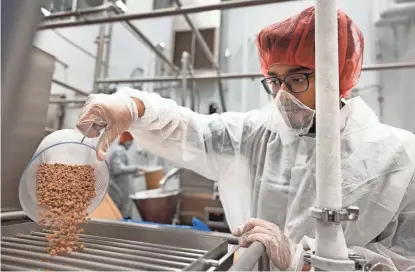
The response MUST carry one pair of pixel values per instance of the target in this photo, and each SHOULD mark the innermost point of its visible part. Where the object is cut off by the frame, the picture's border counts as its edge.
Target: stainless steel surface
(67, 101)
(117, 246)
(193, 233)
(169, 176)
(23, 125)
(69, 87)
(228, 76)
(249, 258)
(157, 205)
(9, 267)
(161, 13)
(7, 216)
(103, 256)
(206, 261)
(264, 263)
(226, 261)
(20, 65)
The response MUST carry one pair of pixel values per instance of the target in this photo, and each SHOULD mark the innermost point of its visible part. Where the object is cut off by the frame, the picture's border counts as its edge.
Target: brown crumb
(65, 192)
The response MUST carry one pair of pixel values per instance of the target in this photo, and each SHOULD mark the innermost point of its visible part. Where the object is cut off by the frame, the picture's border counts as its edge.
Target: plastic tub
(64, 147)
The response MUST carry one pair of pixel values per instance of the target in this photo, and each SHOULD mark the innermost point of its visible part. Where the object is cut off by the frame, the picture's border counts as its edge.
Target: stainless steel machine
(110, 245)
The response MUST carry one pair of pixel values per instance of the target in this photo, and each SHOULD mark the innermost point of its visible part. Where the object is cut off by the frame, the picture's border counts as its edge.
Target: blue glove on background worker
(264, 160)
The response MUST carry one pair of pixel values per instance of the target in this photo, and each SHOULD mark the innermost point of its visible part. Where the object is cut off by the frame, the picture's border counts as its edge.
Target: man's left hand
(283, 253)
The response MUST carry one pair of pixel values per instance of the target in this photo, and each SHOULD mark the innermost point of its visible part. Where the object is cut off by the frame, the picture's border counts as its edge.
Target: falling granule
(64, 192)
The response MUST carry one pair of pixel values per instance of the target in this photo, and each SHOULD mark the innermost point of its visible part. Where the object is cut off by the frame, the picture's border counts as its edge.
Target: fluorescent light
(45, 11)
(121, 5)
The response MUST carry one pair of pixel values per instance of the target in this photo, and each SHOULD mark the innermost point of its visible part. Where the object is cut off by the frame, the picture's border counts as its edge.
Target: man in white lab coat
(264, 160)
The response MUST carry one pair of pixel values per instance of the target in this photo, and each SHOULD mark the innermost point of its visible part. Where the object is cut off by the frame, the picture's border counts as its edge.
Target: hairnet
(125, 137)
(291, 42)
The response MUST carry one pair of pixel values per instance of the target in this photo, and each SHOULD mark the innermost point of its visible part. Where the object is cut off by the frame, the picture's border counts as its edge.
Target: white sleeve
(194, 141)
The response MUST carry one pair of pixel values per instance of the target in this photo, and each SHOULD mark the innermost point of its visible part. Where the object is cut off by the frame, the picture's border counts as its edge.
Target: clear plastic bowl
(65, 147)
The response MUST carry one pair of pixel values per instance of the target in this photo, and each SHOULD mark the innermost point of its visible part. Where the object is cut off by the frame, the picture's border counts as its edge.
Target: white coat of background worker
(264, 160)
(123, 173)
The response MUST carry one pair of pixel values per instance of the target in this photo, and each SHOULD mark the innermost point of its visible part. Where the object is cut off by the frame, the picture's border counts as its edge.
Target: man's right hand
(117, 111)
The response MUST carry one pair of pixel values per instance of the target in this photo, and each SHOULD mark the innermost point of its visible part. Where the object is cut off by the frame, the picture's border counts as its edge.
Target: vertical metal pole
(99, 56)
(108, 38)
(185, 72)
(330, 241)
(264, 263)
(192, 65)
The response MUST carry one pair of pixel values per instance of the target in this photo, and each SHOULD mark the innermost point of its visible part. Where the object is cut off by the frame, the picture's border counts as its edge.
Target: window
(58, 5)
(84, 4)
(183, 42)
(161, 4)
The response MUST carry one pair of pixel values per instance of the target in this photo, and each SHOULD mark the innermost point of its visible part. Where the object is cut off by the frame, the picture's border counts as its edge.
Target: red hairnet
(126, 137)
(291, 42)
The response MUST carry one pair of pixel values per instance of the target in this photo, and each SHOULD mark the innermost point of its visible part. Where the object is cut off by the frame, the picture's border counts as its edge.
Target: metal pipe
(41, 241)
(77, 13)
(264, 263)
(108, 37)
(67, 101)
(103, 238)
(185, 72)
(69, 87)
(127, 246)
(228, 76)
(61, 62)
(93, 255)
(161, 13)
(77, 46)
(389, 66)
(10, 267)
(99, 56)
(248, 260)
(221, 92)
(191, 70)
(230, 238)
(330, 241)
(37, 246)
(36, 264)
(6, 216)
(70, 261)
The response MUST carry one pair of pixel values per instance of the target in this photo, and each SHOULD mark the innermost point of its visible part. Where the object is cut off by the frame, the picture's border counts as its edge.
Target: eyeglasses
(296, 83)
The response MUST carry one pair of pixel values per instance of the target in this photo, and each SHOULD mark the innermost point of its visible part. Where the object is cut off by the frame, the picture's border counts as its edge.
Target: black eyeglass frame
(266, 87)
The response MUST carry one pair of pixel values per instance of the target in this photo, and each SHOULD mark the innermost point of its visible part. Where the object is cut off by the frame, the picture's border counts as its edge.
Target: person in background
(122, 174)
(265, 160)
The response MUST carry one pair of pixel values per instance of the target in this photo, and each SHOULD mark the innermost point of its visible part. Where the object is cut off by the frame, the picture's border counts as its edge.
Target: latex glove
(283, 253)
(116, 110)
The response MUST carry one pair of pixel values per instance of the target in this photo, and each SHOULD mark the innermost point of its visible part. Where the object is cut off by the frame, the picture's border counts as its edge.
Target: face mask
(291, 115)
(128, 145)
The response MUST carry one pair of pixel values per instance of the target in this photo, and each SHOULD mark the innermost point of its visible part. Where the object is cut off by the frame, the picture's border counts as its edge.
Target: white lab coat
(269, 174)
